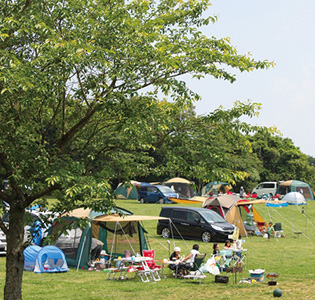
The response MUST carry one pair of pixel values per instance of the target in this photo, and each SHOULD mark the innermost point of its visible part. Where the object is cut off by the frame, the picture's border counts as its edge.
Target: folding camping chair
(195, 271)
(151, 267)
(226, 257)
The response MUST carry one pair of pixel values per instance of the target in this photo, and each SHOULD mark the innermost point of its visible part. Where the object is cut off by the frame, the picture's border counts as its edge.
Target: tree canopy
(80, 84)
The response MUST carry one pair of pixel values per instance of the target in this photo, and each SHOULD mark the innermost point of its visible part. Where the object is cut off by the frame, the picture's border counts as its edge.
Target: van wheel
(166, 233)
(161, 201)
(142, 200)
(206, 237)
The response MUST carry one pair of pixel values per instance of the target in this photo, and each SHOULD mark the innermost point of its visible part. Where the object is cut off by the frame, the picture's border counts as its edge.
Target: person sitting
(227, 245)
(188, 261)
(216, 251)
(174, 256)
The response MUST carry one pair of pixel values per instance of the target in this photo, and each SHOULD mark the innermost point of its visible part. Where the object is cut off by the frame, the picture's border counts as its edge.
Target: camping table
(125, 263)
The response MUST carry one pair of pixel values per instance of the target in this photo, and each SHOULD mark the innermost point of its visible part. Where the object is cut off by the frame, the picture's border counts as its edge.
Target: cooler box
(258, 274)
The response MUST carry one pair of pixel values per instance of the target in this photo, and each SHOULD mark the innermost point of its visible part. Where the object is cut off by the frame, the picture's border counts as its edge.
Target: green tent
(296, 186)
(127, 190)
(118, 233)
(216, 187)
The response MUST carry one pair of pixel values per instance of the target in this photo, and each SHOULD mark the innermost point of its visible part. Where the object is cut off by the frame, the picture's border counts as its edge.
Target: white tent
(294, 198)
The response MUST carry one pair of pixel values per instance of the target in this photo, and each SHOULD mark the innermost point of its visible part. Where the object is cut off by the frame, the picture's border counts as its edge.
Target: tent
(294, 198)
(118, 233)
(127, 191)
(216, 187)
(296, 186)
(181, 186)
(235, 210)
(48, 259)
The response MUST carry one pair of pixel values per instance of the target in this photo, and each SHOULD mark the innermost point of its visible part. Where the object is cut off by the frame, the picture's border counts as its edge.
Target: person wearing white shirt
(188, 261)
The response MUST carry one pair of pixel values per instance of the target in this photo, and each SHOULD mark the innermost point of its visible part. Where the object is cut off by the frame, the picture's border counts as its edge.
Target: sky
(279, 31)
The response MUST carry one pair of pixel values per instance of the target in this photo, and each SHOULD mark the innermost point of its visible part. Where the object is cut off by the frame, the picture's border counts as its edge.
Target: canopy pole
(111, 250)
(81, 253)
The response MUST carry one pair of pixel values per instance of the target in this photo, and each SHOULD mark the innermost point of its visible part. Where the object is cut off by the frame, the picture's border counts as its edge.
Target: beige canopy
(126, 218)
(78, 213)
(225, 201)
(178, 180)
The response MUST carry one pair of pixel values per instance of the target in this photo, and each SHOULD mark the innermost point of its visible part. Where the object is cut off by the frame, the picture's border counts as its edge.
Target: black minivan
(194, 223)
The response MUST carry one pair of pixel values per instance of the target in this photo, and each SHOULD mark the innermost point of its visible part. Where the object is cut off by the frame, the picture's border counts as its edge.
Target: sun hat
(103, 252)
(177, 249)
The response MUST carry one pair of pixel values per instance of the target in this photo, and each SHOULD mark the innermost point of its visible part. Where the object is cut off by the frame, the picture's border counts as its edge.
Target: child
(227, 245)
(216, 251)
(270, 230)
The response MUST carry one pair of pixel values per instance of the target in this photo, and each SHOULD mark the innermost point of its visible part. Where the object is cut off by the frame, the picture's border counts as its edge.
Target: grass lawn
(292, 257)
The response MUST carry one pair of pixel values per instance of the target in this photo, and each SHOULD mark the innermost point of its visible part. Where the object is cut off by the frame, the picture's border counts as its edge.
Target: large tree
(70, 74)
(280, 158)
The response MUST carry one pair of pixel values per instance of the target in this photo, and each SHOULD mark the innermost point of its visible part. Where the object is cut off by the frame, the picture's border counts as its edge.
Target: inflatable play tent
(181, 186)
(236, 211)
(294, 198)
(48, 259)
(296, 186)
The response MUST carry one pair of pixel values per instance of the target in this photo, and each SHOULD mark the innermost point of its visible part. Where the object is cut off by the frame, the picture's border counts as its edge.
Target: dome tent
(30, 254)
(294, 198)
(296, 186)
(181, 186)
(48, 259)
(127, 190)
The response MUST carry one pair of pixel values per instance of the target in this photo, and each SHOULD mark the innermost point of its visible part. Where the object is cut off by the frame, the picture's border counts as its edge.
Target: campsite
(291, 257)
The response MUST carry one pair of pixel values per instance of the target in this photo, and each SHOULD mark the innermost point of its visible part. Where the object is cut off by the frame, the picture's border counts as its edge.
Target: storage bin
(221, 279)
(258, 275)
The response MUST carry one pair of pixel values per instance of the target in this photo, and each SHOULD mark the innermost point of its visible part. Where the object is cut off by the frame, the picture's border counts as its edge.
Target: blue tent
(49, 259)
(30, 254)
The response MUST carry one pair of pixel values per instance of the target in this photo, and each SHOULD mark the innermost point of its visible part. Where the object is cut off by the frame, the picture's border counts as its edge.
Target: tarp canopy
(118, 233)
(195, 199)
(131, 218)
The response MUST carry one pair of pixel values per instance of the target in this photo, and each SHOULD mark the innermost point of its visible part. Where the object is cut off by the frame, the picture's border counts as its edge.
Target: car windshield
(166, 189)
(212, 217)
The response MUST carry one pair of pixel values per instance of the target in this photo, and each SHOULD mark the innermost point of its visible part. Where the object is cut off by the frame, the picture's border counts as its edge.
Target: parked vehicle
(3, 243)
(267, 188)
(35, 229)
(194, 223)
(155, 193)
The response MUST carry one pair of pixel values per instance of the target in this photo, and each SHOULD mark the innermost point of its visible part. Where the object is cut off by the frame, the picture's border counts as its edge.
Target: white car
(3, 243)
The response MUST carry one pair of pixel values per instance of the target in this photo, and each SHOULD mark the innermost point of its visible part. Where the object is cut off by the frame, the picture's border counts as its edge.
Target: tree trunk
(15, 258)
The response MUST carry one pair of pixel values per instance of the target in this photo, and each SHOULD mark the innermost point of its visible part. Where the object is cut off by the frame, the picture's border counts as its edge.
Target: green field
(292, 257)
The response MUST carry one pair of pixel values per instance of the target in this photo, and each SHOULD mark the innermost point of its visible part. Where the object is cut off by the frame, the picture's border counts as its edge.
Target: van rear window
(179, 214)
